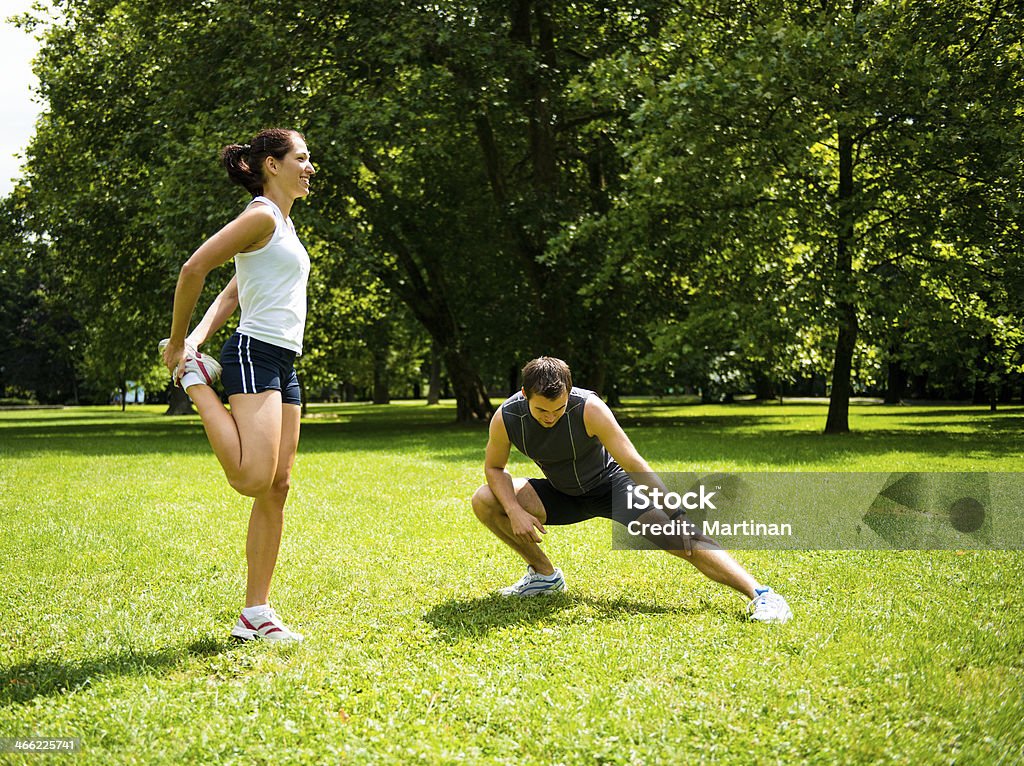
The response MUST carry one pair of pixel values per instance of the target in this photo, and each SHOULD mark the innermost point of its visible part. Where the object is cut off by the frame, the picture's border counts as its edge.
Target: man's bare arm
(600, 422)
(499, 447)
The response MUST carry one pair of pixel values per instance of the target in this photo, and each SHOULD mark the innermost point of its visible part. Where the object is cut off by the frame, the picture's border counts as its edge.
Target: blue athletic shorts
(252, 366)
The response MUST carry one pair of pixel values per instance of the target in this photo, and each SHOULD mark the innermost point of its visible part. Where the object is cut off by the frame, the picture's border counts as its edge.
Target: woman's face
(292, 173)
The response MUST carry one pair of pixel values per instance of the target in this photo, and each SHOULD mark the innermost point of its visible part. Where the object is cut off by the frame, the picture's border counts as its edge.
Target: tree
(702, 190)
(779, 135)
(38, 332)
(88, 167)
(465, 161)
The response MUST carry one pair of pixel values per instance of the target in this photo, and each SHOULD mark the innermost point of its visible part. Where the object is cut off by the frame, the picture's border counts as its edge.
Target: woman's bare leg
(246, 439)
(267, 518)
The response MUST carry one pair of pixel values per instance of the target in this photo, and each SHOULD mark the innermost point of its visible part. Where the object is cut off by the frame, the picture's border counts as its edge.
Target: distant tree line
(712, 196)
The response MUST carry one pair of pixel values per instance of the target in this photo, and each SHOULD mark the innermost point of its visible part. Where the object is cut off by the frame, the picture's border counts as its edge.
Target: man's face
(546, 411)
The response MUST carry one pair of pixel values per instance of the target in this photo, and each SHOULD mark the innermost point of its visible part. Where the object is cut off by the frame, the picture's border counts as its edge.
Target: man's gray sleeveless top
(571, 460)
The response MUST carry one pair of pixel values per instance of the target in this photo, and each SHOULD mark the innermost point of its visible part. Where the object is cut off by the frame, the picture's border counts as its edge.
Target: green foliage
(712, 194)
(38, 331)
(734, 201)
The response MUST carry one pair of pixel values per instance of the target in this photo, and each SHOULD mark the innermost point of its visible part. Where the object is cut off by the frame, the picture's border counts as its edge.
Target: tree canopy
(714, 195)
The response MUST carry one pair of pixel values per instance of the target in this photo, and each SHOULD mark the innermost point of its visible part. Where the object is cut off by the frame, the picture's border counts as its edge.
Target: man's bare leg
(489, 511)
(718, 565)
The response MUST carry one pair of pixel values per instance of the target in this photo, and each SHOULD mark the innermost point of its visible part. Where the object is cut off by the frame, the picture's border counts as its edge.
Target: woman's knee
(281, 485)
(250, 483)
(245, 486)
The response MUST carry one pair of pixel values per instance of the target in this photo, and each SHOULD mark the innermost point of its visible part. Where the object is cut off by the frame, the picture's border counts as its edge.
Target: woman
(256, 440)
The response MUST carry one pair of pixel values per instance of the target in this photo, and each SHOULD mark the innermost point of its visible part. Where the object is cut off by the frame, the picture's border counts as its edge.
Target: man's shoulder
(594, 410)
(579, 397)
(515, 405)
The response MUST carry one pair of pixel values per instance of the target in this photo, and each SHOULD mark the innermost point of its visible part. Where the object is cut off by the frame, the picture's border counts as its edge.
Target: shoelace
(525, 580)
(271, 615)
(758, 601)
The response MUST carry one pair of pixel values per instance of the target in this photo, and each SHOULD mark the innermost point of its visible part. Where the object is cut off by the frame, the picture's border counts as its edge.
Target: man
(585, 456)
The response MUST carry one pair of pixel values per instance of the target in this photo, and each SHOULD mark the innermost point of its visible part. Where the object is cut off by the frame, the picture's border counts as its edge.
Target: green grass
(122, 571)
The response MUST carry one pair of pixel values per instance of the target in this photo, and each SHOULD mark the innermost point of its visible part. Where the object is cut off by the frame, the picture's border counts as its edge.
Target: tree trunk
(594, 375)
(613, 399)
(896, 381)
(434, 389)
(994, 385)
(178, 402)
(980, 393)
(419, 282)
(519, 206)
(381, 395)
(472, 402)
(838, 421)
(920, 386)
(764, 389)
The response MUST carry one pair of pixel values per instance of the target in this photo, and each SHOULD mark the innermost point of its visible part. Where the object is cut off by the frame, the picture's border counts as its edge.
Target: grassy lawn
(122, 569)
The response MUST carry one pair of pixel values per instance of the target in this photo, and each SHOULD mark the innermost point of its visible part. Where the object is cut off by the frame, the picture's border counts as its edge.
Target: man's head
(546, 385)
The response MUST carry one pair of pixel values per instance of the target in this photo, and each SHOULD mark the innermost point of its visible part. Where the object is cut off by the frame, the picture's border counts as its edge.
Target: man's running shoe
(769, 606)
(265, 624)
(199, 367)
(533, 584)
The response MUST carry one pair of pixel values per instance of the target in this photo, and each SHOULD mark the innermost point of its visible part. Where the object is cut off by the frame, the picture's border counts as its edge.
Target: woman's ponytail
(244, 162)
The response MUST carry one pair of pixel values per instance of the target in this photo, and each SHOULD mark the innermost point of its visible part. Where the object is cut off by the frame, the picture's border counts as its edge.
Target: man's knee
(484, 503)
(698, 550)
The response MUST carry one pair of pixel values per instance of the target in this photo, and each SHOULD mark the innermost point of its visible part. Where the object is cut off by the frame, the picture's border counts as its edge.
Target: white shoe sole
(549, 591)
(778, 619)
(242, 633)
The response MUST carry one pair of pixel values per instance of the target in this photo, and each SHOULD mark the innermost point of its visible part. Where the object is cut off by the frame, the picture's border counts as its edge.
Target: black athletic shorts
(252, 367)
(572, 509)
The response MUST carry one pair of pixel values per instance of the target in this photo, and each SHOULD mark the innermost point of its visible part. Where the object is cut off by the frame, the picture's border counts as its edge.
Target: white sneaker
(769, 606)
(199, 367)
(266, 625)
(533, 584)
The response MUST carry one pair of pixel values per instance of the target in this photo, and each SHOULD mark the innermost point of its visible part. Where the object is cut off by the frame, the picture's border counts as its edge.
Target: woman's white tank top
(272, 286)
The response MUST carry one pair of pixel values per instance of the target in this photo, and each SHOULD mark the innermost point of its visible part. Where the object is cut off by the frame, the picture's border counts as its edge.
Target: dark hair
(547, 376)
(244, 162)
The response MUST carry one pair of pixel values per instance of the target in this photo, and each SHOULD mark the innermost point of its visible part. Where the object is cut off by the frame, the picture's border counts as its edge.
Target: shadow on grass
(42, 678)
(107, 436)
(728, 432)
(456, 620)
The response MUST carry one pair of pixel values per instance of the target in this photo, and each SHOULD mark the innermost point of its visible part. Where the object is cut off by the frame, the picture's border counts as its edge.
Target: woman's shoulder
(260, 213)
(263, 207)
(255, 225)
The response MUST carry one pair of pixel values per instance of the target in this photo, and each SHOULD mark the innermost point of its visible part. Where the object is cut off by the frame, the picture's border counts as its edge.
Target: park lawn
(123, 569)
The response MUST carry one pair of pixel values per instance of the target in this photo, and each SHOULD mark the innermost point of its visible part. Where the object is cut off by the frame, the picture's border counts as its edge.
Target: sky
(18, 110)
